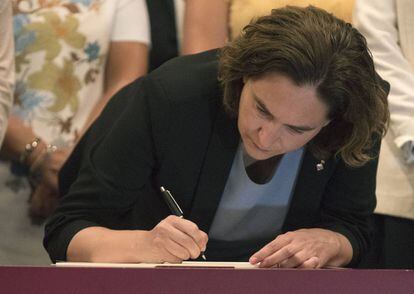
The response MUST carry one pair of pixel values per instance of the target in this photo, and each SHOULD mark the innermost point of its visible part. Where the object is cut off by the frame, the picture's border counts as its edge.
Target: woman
(6, 66)
(67, 69)
(71, 57)
(391, 41)
(275, 164)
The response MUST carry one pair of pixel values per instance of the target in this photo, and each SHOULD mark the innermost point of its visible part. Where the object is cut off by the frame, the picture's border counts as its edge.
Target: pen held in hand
(174, 207)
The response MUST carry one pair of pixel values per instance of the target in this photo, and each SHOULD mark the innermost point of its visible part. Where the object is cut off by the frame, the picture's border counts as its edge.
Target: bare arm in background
(119, 72)
(6, 65)
(205, 25)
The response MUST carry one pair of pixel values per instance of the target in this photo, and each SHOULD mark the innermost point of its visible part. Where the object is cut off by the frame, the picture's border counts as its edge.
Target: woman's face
(276, 116)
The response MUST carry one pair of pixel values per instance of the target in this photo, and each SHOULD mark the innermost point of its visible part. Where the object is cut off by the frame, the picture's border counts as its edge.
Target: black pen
(174, 207)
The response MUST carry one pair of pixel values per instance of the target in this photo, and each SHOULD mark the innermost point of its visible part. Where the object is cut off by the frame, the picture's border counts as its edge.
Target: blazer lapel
(214, 173)
(308, 190)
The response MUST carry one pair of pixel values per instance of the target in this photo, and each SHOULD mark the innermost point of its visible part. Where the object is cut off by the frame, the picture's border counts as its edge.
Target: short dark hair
(313, 47)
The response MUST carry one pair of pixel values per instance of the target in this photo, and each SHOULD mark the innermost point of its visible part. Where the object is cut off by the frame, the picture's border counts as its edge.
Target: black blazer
(169, 129)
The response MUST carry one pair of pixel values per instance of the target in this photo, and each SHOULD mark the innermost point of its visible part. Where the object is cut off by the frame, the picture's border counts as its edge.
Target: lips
(259, 148)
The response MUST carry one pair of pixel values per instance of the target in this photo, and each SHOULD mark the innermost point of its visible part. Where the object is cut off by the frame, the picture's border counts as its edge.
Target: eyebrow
(263, 106)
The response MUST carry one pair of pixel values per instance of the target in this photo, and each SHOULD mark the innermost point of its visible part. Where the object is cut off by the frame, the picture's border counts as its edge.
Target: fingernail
(253, 260)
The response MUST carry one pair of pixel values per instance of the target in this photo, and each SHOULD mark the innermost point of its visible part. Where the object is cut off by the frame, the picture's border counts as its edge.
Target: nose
(268, 134)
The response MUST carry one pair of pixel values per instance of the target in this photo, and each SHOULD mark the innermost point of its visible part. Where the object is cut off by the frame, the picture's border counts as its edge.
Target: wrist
(139, 246)
(99, 244)
(143, 249)
(34, 155)
(39, 165)
(344, 251)
(28, 150)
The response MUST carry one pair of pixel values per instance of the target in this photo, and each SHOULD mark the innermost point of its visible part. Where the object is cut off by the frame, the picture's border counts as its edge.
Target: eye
(261, 110)
(295, 131)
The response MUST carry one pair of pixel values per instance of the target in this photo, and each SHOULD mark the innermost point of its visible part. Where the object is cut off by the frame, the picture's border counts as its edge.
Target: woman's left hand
(305, 248)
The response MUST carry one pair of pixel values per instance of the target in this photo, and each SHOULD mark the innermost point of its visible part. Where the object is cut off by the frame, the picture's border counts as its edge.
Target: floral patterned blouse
(60, 52)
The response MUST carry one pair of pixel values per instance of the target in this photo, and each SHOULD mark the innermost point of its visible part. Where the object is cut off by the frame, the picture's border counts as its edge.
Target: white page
(236, 265)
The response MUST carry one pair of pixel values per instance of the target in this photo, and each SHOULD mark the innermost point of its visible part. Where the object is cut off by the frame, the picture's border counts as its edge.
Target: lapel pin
(320, 166)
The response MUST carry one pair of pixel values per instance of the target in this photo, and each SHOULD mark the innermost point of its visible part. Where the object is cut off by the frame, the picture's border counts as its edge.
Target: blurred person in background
(164, 16)
(388, 26)
(6, 64)
(210, 24)
(71, 57)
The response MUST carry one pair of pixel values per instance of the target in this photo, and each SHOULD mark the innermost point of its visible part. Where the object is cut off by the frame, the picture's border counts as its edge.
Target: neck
(261, 171)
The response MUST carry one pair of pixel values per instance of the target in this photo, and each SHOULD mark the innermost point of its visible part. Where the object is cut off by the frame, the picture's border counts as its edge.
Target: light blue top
(248, 210)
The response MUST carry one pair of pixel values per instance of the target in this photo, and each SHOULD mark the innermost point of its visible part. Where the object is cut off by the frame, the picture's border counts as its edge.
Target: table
(20, 279)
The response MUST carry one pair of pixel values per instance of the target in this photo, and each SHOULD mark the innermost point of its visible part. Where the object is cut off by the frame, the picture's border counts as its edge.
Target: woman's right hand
(46, 166)
(175, 239)
(43, 202)
(172, 240)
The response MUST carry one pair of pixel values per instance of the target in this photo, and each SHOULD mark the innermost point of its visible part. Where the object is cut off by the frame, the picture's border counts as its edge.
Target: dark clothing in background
(393, 244)
(164, 44)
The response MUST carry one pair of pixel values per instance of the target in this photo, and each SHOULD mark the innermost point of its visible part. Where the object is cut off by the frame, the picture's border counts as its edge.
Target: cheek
(294, 142)
(248, 121)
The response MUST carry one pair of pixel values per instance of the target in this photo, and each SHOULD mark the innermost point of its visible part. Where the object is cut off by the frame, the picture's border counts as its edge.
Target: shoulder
(189, 76)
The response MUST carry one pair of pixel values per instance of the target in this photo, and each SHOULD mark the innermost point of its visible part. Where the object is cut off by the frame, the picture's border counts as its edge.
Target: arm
(335, 208)
(205, 25)
(6, 65)
(172, 240)
(113, 198)
(126, 62)
(119, 72)
(377, 21)
(128, 51)
(40, 163)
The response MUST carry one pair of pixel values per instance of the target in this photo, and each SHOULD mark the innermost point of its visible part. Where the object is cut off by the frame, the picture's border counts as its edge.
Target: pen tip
(162, 189)
(203, 256)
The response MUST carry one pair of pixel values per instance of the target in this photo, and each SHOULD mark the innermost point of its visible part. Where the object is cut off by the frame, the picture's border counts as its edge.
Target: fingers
(190, 247)
(43, 202)
(287, 256)
(51, 180)
(305, 248)
(180, 238)
(45, 170)
(267, 251)
(58, 158)
(175, 249)
(313, 262)
(300, 260)
(50, 160)
(191, 230)
(290, 256)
